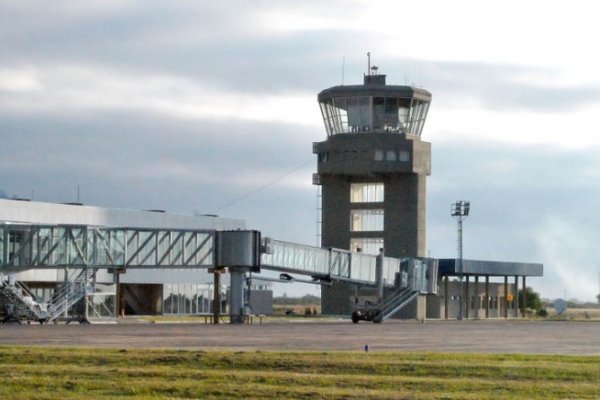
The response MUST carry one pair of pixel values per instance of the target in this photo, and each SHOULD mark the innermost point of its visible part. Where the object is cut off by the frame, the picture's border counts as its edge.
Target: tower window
(323, 157)
(366, 192)
(404, 156)
(366, 220)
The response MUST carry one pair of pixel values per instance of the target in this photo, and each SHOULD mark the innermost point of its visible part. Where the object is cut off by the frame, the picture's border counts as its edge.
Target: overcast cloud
(190, 106)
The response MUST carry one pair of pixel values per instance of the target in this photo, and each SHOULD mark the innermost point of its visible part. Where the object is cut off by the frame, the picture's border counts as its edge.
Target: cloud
(191, 106)
(239, 51)
(498, 86)
(205, 163)
(22, 80)
(68, 89)
(568, 246)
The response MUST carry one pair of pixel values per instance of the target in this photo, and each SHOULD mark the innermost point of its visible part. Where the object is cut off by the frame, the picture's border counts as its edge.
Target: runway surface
(496, 336)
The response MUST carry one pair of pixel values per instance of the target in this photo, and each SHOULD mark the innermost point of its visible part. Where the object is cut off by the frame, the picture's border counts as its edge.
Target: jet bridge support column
(216, 308)
(379, 274)
(239, 251)
(236, 295)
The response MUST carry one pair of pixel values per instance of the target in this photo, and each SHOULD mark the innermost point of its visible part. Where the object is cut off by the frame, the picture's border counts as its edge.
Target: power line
(274, 181)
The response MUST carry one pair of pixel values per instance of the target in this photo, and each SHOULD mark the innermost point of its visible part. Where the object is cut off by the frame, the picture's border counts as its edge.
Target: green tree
(533, 300)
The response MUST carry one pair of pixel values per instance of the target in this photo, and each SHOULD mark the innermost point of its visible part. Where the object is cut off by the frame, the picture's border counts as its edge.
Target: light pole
(460, 210)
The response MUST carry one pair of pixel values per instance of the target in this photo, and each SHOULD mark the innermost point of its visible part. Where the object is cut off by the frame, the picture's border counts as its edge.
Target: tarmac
(469, 336)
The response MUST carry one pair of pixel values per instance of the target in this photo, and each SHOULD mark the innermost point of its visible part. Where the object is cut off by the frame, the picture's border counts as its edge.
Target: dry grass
(577, 314)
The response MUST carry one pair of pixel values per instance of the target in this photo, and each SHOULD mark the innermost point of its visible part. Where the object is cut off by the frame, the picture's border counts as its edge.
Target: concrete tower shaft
(373, 167)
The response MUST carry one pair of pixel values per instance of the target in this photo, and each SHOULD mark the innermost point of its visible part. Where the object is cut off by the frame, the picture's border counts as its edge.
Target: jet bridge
(89, 249)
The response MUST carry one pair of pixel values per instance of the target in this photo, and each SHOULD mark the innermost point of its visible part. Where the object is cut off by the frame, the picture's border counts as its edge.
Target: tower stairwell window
(366, 192)
(366, 220)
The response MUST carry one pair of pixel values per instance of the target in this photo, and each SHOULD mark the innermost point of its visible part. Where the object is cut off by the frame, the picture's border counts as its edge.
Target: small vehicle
(372, 314)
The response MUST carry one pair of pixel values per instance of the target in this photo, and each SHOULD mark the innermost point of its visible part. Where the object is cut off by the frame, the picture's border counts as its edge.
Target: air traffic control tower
(372, 170)
(373, 166)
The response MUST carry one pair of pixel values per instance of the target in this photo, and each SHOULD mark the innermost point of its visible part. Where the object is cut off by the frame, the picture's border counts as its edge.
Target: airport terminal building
(372, 173)
(156, 291)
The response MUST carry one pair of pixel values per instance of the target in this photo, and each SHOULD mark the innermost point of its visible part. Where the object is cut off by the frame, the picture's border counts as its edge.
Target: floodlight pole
(460, 209)
(460, 268)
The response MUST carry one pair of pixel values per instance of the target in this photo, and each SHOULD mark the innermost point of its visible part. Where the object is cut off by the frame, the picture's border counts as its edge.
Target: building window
(378, 155)
(366, 245)
(390, 156)
(323, 157)
(366, 192)
(366, 220)
(404, 156)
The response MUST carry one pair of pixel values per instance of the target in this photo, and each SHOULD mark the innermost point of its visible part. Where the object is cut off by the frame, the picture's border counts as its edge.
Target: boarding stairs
(22, 304)
(387, 307)
(395, 302)
(68, 294)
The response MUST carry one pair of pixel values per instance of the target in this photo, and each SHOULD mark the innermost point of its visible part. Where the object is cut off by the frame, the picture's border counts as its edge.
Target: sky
(211, 107)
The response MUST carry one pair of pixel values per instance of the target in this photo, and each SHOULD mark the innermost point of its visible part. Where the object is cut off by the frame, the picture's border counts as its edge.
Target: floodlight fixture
(460, 208)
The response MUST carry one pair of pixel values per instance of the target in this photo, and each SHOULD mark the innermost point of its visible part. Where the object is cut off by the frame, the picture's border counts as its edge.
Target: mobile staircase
(22, 306)
(20, 303)
(387, 307)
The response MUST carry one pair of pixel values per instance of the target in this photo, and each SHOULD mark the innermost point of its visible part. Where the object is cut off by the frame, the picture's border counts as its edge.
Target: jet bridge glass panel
(391, 266)
(362, 267)
(39, 246)
(290, 256)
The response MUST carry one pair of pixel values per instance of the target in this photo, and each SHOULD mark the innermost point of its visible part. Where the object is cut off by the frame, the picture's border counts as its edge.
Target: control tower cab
(373, 166)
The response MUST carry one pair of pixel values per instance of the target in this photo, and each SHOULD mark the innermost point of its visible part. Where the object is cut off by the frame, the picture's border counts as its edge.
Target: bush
(534, 301)
(542, 312)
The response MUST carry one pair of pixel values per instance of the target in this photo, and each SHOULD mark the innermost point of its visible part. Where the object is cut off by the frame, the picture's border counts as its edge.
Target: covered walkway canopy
(450, 267)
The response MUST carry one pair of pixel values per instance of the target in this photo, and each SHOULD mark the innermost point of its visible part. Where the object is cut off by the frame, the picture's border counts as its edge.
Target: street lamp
(460, 209)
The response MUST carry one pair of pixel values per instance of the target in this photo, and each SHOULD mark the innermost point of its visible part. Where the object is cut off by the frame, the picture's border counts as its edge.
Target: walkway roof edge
(450, 266)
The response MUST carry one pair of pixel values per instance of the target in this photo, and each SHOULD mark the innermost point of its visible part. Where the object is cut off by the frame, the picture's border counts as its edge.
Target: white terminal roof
(32, 212)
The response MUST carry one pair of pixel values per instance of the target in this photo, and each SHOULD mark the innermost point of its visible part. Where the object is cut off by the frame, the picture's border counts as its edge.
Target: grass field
(77, 373)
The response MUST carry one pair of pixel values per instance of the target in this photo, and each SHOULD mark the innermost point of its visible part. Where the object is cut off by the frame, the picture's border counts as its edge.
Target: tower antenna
(369, 63)
(343, 68)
